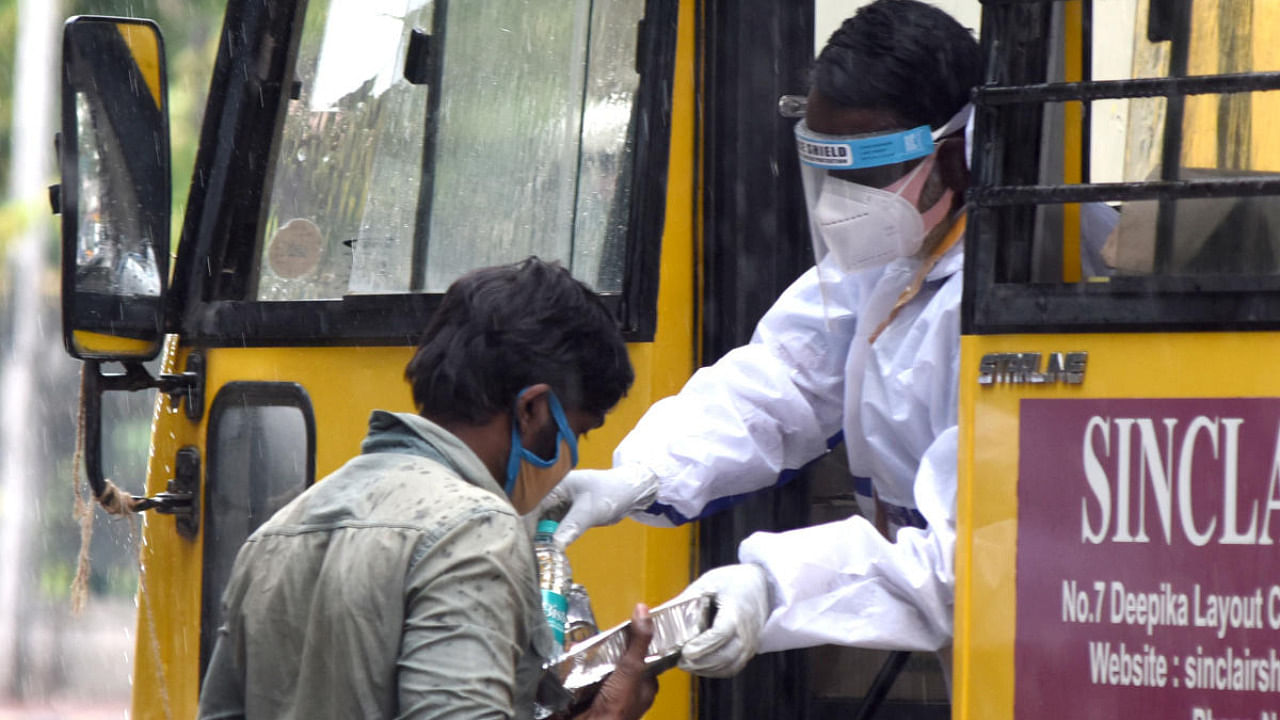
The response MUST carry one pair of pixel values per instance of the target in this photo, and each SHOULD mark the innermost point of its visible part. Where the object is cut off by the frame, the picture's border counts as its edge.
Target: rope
(114, 500)
(83, 514)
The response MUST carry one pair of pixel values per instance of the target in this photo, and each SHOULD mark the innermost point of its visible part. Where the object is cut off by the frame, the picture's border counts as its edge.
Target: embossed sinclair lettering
(1115, 505)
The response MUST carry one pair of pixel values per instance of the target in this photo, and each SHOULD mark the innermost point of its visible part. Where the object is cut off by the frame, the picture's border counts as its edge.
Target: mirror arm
(187, 385)
(91, 405)
(180, 498)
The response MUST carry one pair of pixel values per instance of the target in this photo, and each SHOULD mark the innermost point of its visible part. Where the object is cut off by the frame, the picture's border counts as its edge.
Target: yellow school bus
(355, 158)
(1118, 460)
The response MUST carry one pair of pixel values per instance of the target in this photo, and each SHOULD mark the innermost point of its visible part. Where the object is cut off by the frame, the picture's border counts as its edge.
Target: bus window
(1219, 140)
(262, 442)
(1130, 187)
(517, 142)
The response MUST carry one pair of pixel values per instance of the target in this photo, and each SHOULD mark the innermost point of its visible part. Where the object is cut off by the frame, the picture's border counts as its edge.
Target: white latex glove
(742, 607)
(598, 497)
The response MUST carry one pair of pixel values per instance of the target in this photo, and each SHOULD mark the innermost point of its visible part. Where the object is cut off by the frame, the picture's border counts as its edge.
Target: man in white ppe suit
(866, 342)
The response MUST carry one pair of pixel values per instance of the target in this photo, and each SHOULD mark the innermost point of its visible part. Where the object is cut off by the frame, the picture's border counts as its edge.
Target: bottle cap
(547, 526)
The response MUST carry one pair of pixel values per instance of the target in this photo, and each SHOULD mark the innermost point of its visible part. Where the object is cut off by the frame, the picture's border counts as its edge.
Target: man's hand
(629, 691)
(742, 607)
(598, 497)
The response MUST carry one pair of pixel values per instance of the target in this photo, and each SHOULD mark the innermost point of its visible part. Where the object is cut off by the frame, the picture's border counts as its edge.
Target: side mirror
(114, 197)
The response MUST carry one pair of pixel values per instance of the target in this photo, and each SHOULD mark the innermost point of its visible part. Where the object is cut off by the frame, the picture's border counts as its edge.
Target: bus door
(1120, 418)
(357, 157)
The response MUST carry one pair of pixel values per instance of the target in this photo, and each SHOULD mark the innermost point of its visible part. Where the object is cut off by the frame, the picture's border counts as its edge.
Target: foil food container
(579, 620)
(571, 680)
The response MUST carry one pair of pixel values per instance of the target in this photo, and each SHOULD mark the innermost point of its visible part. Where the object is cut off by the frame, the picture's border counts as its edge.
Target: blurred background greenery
(60, 664)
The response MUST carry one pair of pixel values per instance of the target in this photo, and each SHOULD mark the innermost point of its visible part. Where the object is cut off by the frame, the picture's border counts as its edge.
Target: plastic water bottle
(554, 577)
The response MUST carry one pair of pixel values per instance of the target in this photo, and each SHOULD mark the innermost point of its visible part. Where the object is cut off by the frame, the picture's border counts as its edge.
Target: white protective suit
(773, 405)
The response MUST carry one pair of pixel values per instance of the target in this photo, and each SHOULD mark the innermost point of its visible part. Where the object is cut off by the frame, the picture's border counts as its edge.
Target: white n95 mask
(863, 227)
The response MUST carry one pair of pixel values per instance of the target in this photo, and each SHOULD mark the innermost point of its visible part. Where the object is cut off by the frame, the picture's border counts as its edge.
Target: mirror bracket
(181, 497)
(187, 385)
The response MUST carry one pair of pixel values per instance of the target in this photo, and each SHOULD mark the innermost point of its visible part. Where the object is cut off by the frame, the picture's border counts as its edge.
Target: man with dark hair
(403, 585)
(866, 343)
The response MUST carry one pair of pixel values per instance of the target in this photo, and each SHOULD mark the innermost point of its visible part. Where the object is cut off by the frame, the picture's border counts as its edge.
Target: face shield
(862, 192)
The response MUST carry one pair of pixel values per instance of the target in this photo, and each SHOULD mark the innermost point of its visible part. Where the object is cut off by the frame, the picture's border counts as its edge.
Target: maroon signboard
(1148, 569)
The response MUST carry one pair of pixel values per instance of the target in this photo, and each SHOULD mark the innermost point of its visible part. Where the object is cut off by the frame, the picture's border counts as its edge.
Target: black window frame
(247, 100)
(998, 298)
(240, 394)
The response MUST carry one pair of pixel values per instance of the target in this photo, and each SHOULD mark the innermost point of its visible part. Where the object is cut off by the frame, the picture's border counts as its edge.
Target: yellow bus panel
(1168, 491)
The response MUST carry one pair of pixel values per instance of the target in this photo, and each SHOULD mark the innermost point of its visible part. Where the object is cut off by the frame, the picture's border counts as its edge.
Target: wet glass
(608, 145)
(258, 462)
(115, 243)
(527, 151)
(348, 160)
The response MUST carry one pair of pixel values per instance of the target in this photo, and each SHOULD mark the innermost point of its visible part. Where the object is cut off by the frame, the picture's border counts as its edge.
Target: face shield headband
(832, 152)
(876, 150)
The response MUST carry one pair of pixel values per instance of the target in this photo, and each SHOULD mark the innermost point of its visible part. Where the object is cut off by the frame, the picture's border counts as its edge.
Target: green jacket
(401, 586)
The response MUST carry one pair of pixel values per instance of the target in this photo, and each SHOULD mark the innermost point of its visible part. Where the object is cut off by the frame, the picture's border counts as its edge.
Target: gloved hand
(598, 497)
(742, 607)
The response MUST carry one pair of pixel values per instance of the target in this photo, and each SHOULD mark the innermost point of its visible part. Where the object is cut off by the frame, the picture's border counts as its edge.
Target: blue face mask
(529, 477)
